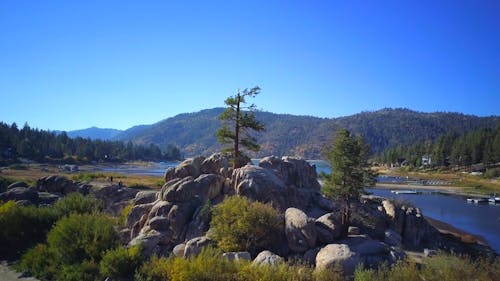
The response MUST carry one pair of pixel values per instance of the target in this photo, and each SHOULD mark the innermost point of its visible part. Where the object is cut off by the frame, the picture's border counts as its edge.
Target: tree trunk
(346, 217)
(237, 134)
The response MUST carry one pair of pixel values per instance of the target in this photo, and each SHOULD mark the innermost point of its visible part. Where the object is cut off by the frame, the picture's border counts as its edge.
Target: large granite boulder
(189, 167)
(217, 163)
(144, 197)
(267, 258)
(195, 245)
(201, 189)
(333, 254)
(292, 171)
(300, 231)
(148, 242)
(20, 194)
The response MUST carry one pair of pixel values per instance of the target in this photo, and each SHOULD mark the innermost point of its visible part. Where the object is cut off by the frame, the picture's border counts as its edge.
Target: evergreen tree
(350, 172)
(242, 121)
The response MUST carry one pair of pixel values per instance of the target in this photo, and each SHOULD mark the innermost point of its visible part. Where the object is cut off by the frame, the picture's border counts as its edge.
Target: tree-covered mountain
(307, 136)
(95, 133)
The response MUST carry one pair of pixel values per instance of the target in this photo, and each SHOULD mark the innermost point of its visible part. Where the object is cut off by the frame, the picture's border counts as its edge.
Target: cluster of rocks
(174, 220)
(46, 191)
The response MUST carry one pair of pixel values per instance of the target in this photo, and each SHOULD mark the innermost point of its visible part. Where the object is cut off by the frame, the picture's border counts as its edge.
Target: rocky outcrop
(56, 184)
(217, 163)
(267, 258)
(115, 197)
(265, 185)
(292, 171)
(300, 230)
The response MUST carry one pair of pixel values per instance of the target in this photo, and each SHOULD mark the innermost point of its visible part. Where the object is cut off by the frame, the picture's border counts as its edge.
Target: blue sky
(115, 64)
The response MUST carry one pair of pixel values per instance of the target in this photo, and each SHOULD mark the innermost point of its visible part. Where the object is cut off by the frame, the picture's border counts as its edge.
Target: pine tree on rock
(351, 172)
(238, 121)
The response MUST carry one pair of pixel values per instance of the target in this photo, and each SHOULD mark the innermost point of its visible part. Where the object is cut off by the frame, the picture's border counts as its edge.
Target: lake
(478, 219)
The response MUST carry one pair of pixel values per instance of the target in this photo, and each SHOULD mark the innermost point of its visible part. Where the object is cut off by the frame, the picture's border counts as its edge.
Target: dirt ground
(9, 274)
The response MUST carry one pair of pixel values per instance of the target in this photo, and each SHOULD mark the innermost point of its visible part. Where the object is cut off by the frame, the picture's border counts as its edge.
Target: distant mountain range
(304, 136)
(95, 133)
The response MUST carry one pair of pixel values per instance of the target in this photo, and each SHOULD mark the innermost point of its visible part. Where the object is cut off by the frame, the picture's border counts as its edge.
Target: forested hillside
(306, 136)
(44, 146)
(474, 147)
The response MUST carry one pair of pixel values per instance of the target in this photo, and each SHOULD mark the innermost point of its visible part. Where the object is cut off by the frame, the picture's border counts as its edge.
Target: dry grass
(35, 171)
(464, 183)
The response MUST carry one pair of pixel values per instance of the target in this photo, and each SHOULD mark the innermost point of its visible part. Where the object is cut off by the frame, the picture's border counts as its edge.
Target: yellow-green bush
(210, 265)
(22, 227)
(82, 237)
(76, 203)
(120, 263)
(443, 267)
(240, 225)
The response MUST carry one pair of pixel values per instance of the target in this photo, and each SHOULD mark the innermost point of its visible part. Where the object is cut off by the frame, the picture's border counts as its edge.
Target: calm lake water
(478, 219)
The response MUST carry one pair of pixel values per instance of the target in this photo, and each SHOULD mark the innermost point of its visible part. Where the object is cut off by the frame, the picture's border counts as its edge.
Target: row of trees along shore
(477, 146)
(44, 146)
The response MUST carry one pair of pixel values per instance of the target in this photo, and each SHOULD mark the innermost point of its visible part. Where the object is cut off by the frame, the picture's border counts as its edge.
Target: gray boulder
(56, 184)
(20, 194)
(300, 231)
(267, 258)
(45, 198)
(195, 245)
(292, 171)
(201, 189)
(333, 254)
(217, 163)
(188, 168)
(178, 250)
(137, 212)
(144, 197)
(237, 256)
(160, 224)
(148, 242)
(389, 209)
(17, 184)
(329, 228)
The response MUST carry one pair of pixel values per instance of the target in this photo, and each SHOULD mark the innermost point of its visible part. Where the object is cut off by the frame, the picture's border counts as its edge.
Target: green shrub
(84, 271)
(75, 203)
(442, 267)
(82, 237)
(22, 227)
(120, 263)
(122, 219)
(241, 225)
(39, 262)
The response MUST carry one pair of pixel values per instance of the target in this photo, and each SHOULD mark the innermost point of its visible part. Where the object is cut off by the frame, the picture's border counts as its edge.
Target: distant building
(426, 160)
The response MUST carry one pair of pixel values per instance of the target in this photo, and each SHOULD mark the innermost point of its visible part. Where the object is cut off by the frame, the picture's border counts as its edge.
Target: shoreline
(448, 189)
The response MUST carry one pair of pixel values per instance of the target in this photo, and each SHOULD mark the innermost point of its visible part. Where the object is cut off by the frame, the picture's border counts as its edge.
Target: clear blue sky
(114, 64)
